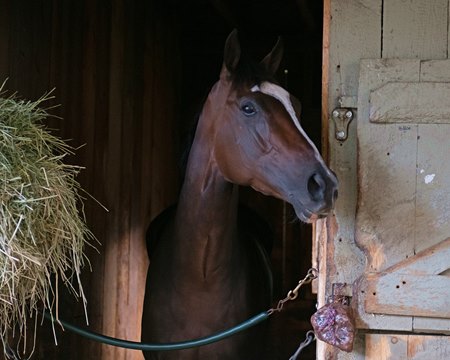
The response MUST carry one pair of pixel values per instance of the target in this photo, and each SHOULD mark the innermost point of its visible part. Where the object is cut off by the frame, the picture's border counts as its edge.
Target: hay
(42, 232)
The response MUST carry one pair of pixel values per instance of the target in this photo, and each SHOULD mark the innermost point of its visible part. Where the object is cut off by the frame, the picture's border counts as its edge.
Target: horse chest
(181, 303)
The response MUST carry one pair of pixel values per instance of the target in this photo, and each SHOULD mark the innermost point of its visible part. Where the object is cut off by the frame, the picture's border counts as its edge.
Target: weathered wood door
(386, 65)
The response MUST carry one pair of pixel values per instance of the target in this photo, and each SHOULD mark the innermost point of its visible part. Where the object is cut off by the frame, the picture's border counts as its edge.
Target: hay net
(42, 229)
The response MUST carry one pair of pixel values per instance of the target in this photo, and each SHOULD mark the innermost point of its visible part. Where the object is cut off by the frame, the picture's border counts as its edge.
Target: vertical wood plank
(123, 202)
(448, 32)
(163, 178)
(415, 29)
(114, 232)
(434, 70)
(95, 77)
(387, 156)
(433, 182)
(29, 47)
(386, 347)
(433, 212)
(354, 32)
(138, 259)
(325, 79)
(319, 246)
(5, 27)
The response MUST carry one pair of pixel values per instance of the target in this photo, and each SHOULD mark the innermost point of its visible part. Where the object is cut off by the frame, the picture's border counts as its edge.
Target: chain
(310, 337)
(293, 294)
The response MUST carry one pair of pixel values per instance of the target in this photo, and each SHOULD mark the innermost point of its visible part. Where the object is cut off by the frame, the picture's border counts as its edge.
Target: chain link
(293, 294)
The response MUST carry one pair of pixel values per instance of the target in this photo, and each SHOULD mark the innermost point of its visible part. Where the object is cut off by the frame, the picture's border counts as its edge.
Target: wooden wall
(121, 69)
(114, 66)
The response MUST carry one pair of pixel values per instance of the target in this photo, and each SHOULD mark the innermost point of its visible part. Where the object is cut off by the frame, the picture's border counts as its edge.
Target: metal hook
(309, 338)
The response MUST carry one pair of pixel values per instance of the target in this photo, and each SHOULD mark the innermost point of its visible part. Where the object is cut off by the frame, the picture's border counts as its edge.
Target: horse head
(257, 138)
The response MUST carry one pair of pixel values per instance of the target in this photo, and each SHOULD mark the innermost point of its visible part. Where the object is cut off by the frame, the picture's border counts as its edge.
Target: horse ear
(273, 59)
(232, 53)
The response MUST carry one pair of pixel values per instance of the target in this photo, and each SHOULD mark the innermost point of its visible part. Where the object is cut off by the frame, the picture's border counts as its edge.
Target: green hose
(163, 347)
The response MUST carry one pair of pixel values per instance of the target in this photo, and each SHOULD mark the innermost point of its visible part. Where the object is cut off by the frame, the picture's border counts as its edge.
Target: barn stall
(129, 78)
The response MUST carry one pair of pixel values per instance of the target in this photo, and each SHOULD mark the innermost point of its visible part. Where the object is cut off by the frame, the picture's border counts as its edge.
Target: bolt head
(335, 113)
(349, 114)
(340, 134)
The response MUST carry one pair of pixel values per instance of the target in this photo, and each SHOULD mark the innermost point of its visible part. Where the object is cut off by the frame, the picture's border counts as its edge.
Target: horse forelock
(248, 72)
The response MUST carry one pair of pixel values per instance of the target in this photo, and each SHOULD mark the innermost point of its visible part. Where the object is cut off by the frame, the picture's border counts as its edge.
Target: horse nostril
(316, 187)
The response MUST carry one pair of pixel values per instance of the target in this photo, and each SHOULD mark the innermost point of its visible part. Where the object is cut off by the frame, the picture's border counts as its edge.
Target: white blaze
(283, 96)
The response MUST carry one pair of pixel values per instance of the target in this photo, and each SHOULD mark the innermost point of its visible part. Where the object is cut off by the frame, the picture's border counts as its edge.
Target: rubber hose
(162, 347)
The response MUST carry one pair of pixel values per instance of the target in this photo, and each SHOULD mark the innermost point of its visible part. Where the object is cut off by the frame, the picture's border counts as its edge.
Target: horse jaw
(302, 213)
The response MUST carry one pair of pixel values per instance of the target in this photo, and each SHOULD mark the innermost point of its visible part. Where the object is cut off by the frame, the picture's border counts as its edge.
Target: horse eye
(248, 109)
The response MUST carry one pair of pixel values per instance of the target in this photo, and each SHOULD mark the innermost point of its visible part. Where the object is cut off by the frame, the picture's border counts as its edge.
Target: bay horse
(205, 273)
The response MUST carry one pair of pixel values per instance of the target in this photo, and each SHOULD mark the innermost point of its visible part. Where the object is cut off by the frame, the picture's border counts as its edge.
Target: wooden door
(389, 239)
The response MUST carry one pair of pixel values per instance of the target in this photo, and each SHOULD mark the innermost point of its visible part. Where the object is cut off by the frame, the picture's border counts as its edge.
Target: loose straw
(42, 231)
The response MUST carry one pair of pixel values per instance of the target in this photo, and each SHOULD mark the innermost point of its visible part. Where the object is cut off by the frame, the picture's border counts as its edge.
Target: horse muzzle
(319, 198)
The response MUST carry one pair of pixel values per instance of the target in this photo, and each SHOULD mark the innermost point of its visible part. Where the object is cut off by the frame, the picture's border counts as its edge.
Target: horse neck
(206, 219)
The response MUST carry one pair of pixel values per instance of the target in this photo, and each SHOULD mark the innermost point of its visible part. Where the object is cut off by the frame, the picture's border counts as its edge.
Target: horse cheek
(227, 159)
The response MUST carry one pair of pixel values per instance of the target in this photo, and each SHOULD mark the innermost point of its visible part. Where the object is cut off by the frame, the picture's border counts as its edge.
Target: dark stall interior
(130, 77)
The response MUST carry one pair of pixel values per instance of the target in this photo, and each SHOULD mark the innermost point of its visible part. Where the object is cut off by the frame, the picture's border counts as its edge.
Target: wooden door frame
(320, 233)
(327, 233)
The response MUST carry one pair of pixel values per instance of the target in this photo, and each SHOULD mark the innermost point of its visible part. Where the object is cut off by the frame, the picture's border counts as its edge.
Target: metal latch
(342, 118)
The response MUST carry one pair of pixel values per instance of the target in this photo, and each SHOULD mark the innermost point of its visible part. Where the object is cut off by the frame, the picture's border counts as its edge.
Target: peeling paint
(429, 178)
